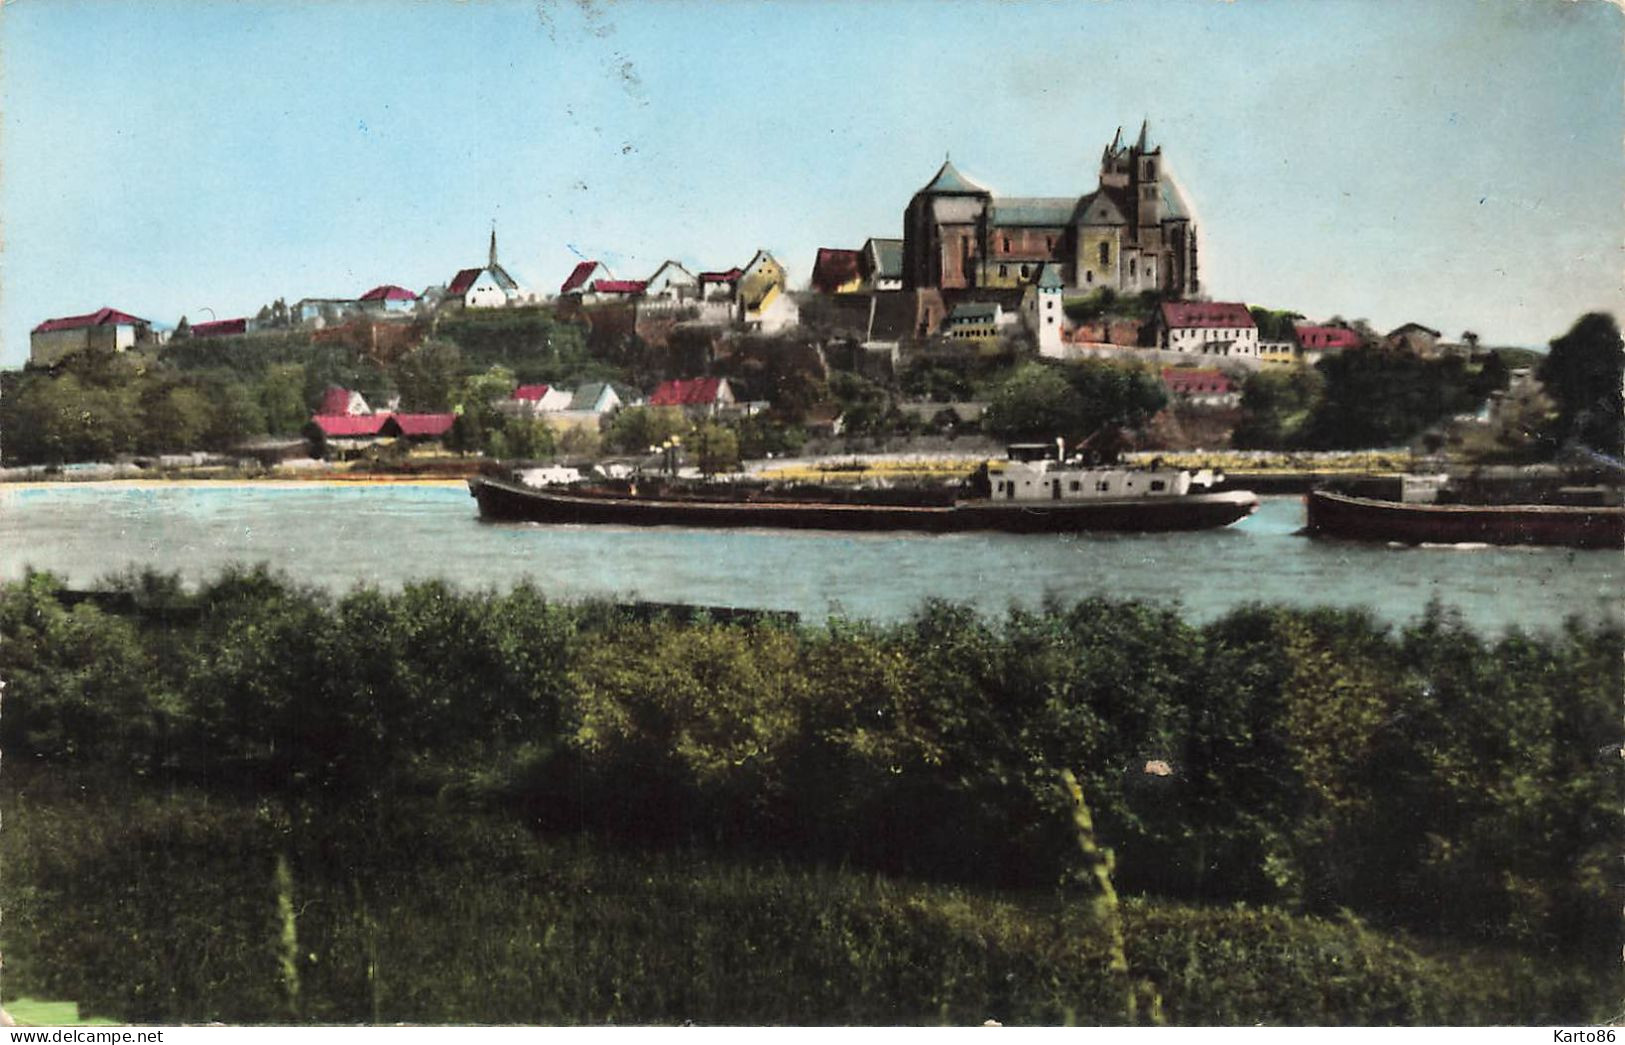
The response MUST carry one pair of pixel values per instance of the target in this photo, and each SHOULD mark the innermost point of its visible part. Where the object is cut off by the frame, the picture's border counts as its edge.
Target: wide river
(339, 536)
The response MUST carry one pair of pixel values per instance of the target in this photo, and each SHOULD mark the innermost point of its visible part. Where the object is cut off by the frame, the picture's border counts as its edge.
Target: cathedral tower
(942, 231)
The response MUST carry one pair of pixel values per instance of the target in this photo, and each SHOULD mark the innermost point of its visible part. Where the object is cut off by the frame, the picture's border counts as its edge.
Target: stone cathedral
(1133, 233)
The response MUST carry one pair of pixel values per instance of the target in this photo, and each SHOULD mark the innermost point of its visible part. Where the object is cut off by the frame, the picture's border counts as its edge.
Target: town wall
(1122, 353)
(1124, 332)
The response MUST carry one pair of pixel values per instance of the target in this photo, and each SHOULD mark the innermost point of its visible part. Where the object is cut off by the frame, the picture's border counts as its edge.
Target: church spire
(493, 262)
(1145, 140)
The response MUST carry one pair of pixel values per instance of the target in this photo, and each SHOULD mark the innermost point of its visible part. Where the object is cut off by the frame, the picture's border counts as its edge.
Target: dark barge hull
(512, 502)
(1362, 518)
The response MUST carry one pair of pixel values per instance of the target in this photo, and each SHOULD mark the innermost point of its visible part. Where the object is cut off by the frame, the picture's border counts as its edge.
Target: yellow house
(761, 278)
(1277, 354)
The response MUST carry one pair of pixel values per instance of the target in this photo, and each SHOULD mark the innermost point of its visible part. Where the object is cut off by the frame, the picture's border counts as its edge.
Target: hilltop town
(990, 316)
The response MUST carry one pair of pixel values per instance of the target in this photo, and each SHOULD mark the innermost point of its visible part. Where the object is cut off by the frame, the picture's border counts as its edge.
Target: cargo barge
(1028, 493)
(1419, 512)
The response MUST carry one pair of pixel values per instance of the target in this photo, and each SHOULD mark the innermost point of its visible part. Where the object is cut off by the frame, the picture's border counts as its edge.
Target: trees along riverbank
(1427, 784)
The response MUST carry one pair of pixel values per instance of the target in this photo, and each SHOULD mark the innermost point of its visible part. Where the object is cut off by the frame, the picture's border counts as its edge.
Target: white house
(588, 407)
(698, 395)
(672, 282)
(488, 287)
(1207, 328)
(583, 276)
(532, 400)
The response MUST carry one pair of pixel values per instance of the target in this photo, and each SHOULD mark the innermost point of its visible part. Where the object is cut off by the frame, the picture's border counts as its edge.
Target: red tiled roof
(1326, 337)
(343, 426)
(462, 281)
(335, 401)
(220, 327)
(1206, 314)
(101, 317)
(534, 393)
(836, 267)
(390, 292)
(730, 276)
(698, 391)
(619, 286)
(423, 424)
(578, 276)
(1196, 382)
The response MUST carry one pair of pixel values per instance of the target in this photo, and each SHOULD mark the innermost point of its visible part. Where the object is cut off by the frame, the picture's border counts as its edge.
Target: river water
(338, 536)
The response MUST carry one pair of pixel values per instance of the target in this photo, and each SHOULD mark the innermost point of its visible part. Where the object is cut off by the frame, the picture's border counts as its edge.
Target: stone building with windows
(105, 330)
(1133, 233)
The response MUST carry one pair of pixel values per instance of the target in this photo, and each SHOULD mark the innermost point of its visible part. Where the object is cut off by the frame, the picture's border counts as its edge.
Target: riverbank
(633, 818)
(380, 917)
(1265, 471)
(307, 472)
(302, 482)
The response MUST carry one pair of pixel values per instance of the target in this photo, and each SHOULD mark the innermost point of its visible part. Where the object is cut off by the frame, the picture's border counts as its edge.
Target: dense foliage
(1275, 324)
(1585, 374)
(1361, 399)
(170, 908)
(1430, 779)
(1042, 401)
(98, 408)
(1375, 398)
(534, 344)
(1276, 405)
(217, 393)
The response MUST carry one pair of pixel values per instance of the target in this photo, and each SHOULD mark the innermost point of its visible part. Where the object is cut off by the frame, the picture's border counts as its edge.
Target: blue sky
(1456, 163)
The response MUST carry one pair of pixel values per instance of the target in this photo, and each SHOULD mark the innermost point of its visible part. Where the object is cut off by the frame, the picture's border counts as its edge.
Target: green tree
(1275, 404)
(1375, 398)
(1112, 395)
(79, 683)
(760, 435)
(865, 405)
(1275, 324)
(528, 439)
(1583, 374)
(476, 405)
(1035, 402)
(1074, 401)
(427, 376)
(176, 418)
(716, 448)
(930, 379)
(56, 419)
(636, 428)
(282, 398)
(237, 416)
(496, 383)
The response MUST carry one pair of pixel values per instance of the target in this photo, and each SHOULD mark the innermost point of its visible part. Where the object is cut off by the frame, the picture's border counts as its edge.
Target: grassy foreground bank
(286, 801)
(159, 906)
